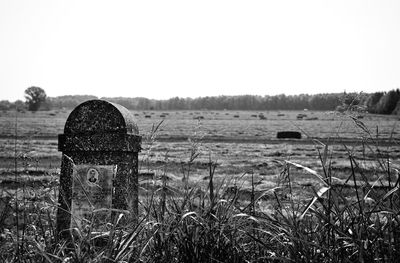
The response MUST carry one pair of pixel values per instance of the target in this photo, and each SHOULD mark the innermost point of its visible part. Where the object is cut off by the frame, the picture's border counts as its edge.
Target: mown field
(242, 146)
(238, 141)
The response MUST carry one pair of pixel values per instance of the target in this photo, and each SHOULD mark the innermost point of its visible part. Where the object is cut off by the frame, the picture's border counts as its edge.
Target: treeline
(378, 102)
(242, 102)
(60, 102)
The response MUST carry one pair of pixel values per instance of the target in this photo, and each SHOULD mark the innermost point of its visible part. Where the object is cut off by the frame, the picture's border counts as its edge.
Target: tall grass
(355, 219)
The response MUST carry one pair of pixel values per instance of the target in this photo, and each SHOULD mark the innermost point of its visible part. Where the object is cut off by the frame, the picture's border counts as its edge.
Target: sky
(163, 49)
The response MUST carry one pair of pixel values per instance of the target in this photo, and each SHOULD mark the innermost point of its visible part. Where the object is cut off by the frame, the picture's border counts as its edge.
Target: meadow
(230, 182)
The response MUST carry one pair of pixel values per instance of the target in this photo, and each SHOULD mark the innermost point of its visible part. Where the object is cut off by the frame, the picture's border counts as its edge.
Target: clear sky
(161, 49)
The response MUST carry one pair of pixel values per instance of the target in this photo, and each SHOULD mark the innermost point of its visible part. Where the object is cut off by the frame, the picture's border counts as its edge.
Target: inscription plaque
(92, 190)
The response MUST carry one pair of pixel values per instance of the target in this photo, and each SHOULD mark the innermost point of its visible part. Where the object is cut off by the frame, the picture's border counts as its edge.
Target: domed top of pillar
(100, 116)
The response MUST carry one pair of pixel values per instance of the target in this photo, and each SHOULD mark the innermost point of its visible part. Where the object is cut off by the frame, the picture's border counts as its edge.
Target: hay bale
(288, 135)
(300, 116)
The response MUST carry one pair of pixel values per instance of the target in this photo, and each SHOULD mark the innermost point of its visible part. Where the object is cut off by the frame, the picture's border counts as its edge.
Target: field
(349, 149)
(240, 142)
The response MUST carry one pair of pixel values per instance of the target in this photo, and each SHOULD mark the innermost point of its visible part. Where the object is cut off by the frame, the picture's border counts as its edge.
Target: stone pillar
(99, 167)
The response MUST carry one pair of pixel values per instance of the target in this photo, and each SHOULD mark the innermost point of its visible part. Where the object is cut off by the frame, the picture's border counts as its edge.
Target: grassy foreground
(350, 220)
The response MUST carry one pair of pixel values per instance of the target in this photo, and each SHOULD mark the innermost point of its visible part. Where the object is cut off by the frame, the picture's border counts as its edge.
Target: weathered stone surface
(99, 142)
(98, 135)
(99, 116)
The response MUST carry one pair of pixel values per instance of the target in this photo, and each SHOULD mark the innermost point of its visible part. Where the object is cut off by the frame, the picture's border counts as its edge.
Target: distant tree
(352, 102)
(35, 97)
(5, 105)
(69, 101)
(397, 109)
(20, 106)
(388, 102)
(143, 104)
(372, 101)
